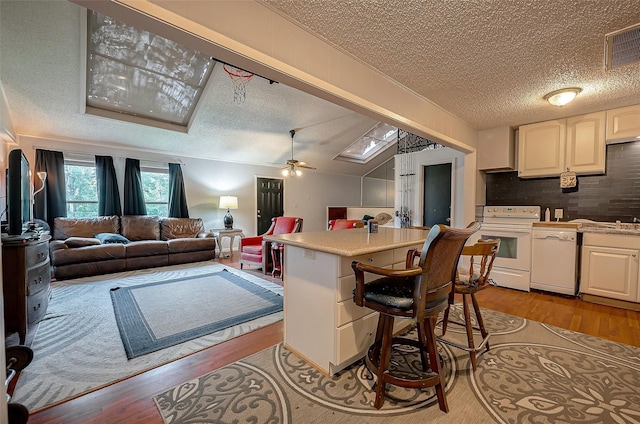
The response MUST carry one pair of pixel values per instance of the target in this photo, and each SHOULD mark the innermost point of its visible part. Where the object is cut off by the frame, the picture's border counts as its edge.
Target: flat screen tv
(18, 193)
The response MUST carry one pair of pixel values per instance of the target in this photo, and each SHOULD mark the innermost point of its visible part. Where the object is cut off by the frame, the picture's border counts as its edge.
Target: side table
(220, 233)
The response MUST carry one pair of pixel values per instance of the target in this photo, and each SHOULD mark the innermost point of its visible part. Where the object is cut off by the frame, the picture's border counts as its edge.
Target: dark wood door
(437, 194)
(270, 202)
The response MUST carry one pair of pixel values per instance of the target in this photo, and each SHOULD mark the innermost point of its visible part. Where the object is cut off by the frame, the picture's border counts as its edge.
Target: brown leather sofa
(149, 242)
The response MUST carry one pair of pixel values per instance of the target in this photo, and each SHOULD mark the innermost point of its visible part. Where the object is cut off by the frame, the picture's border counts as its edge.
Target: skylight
(133, 74)
(371, 144)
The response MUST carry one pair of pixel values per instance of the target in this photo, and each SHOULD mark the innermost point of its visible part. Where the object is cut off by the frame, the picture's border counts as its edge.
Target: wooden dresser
(26, 280)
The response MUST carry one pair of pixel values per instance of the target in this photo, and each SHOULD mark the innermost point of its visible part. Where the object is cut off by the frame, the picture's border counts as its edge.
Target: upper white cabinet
(541, 149)
(548, 148)
(496, 149)
(623, 124)
(586, 143)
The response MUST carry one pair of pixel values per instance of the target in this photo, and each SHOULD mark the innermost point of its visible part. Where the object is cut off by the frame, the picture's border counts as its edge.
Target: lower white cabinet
(610, 271)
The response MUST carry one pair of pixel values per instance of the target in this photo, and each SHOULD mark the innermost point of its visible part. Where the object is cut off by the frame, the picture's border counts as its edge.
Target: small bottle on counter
(547, 215)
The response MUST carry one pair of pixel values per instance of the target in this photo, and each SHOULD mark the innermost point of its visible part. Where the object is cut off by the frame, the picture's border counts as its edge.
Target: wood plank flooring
(129, 401)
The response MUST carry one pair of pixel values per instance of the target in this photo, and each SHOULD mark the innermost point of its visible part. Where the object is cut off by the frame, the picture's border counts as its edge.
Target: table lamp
(228, 202)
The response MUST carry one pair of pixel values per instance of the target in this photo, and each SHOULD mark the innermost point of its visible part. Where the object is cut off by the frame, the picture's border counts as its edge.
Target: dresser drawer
(37, 306)
(380, 259)
(36, 254)
(38, 279)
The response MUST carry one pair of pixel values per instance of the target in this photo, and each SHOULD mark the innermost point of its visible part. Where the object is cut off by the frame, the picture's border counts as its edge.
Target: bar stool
(468, 283)
(420, 292)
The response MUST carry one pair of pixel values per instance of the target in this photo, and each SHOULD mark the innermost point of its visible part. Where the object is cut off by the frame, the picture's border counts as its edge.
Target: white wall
(205, 180)
(463, 183)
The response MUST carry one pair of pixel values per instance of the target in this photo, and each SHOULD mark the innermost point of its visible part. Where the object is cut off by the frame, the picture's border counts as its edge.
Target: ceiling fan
(292, 164)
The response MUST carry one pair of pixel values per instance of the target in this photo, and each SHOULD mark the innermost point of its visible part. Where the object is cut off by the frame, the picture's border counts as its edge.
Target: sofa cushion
(184, 245)
(146, 248)
(87, 254)
(140, 227)
(63, 227)
(172, 228)
(107, 238)
(81, 241)
(253, 249)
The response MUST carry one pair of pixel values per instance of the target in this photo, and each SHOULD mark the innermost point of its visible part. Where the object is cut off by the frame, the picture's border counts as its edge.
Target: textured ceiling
(488, 62)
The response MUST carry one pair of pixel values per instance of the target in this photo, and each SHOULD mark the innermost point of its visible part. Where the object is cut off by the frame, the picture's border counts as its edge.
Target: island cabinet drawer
(400, 254)
(348, 311)
(384, 258)
(347, 284)
(354, 338)
(37, 253)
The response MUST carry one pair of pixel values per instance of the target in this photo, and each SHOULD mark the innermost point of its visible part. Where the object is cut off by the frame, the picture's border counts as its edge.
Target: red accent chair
(255, 250)
(344, 224)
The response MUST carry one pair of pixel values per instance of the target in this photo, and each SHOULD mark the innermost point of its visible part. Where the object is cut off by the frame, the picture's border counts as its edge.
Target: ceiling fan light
(298, 172)
(285, 172)
(562, 97)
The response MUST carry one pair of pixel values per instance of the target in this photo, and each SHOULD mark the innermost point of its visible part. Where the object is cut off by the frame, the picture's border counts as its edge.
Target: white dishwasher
(554, 253)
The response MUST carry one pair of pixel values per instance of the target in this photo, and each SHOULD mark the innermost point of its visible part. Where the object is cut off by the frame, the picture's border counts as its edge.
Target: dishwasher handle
(556, 236)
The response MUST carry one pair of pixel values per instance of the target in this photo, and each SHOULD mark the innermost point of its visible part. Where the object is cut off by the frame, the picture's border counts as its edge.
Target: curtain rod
(95, 154)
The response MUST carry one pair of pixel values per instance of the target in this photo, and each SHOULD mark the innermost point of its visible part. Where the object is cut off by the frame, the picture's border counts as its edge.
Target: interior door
(270, 202)
(437, 194)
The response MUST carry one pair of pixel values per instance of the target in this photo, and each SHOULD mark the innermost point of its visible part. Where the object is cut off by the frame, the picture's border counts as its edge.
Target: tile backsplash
(609, 197)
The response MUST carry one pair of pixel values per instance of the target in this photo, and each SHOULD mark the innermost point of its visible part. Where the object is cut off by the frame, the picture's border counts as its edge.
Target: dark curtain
(52, 201)
(177, 195)
(133, 195)
(108, 193)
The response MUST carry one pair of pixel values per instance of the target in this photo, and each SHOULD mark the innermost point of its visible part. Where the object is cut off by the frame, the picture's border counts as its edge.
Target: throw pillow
(81, 241)
(106, 238)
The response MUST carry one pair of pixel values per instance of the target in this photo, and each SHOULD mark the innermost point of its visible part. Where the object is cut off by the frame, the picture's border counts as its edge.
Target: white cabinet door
(541, 149)
(623, 123)
(610, 272)
(585, 153)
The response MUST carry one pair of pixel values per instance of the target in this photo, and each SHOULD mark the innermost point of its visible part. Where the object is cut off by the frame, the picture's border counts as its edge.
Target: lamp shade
(228, 202)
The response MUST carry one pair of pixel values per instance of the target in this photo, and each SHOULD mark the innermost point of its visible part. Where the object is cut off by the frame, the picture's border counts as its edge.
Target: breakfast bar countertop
(353, 242)
(587, 226)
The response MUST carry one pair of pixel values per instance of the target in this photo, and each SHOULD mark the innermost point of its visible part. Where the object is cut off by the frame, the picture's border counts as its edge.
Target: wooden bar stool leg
(385, 357)
(434, 362)
(468, 325)
(476, 308)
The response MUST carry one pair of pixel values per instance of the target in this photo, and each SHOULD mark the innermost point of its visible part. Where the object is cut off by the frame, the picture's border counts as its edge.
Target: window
(155, 185)
(371, 144)
(81, 189)
(141, 77)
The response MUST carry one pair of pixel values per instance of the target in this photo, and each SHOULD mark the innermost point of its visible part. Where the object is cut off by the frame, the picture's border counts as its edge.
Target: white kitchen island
(322, 324)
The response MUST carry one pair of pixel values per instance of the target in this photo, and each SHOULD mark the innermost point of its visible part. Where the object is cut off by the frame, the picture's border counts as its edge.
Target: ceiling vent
(622, 47)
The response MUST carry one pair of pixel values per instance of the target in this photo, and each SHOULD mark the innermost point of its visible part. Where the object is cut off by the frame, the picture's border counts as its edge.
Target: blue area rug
(157, 315)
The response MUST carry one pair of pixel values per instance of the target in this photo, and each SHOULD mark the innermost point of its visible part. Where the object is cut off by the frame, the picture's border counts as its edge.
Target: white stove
(512, 225)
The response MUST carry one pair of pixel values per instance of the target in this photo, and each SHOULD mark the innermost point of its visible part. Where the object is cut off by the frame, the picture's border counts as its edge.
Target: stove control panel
(517, 212)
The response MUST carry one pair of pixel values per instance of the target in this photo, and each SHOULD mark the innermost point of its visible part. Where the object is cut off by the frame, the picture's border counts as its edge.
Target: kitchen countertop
(354, 242)
(585, 226)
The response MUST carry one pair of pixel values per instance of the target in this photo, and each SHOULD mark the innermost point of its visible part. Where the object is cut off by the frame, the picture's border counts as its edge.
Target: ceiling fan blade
(304, 165)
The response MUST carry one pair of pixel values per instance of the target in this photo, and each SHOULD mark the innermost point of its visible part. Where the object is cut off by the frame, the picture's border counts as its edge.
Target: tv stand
(26, 281)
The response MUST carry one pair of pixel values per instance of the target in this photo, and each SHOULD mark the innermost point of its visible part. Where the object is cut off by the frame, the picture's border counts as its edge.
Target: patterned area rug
(77, 347)
(157, 315)
(533, 373)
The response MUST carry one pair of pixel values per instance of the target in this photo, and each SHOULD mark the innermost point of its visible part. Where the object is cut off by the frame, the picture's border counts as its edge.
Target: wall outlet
(558, 214)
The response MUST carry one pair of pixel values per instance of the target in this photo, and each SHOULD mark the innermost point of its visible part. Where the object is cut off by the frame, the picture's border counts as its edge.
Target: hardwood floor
(129, 401)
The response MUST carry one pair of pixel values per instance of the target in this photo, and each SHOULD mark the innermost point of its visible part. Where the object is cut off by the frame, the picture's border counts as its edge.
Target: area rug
(77, 347)
(157, 315)
(533, 373)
